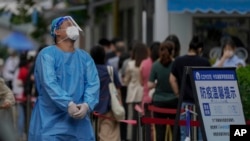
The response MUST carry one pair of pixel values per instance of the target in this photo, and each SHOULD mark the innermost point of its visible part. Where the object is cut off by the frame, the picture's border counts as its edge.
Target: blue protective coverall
(62, 77)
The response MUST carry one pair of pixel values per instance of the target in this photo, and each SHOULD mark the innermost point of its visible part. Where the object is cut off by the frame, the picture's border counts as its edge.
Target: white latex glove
(83, 109)
(72, 108)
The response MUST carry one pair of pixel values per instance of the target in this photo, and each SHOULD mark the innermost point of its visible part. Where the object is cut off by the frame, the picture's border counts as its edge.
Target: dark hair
(196, 43)
(39, 49)
(120, 49)
(139, 53)
(104, 42)
(177, 46)
(131, 45)
(154, 51)
(55, 40)
(98, 54)
(166, 48)
(23, 59)
(225, 42)
(116, 40)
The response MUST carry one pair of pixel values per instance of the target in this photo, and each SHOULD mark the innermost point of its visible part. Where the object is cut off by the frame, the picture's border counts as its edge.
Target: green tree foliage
(41, 29)
(3, 52)
(101, 11)
(23, 17)
(23, 7)
(80, 16)
(244, 87)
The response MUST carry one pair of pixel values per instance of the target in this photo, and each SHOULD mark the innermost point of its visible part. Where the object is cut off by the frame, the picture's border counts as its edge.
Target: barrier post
(144, 128)
(139, 127)
(147, 131)
(143, 125)
(195, 134)
(95, 125)
(28, 113)
(181, 95)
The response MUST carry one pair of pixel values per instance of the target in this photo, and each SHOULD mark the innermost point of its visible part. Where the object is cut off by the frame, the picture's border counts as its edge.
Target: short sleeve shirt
(178, 68)
(161, 74)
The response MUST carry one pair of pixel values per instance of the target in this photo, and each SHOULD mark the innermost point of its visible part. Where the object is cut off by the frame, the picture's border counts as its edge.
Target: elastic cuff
(70, 103)
(86, 105)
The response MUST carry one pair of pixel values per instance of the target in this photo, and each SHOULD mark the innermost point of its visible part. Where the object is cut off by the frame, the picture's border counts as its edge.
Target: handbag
(116, 107)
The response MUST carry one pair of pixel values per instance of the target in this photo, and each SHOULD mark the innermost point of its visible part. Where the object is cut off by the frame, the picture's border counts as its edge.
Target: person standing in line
(119, 50)
(134, 89)
(68, 88)
(122, 63)
(108, 47)
(177, 47)
(30, 85)
(18, 83)
(108, 130)
(7, 101)
(159, 79)
(145, 68)
(228, 57)
(192, 58)
(9, 68)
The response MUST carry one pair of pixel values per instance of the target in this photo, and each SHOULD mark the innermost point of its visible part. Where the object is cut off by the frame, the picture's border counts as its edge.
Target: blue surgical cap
(56, 23)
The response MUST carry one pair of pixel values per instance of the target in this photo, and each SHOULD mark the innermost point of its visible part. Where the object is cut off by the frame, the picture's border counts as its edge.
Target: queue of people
(69, 84)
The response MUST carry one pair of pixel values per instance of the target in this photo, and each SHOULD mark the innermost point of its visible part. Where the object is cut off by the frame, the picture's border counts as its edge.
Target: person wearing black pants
(159, 79)
(123, 126)
(161, 128)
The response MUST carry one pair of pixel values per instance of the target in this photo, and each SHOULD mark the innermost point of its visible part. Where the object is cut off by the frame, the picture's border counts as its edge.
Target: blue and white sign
(219, 101)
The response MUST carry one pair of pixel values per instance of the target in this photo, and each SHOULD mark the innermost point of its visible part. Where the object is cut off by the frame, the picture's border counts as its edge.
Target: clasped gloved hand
(72, 108)
(83, 109)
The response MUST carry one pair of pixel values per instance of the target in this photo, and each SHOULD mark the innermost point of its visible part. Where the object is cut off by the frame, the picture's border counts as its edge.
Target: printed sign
(219, 101)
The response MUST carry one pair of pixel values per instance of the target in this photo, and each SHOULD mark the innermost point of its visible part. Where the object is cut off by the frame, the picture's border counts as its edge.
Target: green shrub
(243, 75)
(3, 52)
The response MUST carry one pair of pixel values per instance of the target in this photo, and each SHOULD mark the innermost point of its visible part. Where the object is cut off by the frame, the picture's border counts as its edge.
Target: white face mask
(72, 33)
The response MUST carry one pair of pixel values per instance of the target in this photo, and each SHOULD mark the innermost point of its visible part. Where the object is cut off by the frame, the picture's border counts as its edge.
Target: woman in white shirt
(134, 88)
(228, 57)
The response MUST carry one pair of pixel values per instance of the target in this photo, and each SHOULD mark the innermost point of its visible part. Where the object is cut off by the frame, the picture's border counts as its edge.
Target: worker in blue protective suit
(68, 86)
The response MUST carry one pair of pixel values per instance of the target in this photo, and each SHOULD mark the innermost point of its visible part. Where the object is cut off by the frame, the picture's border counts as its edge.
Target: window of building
(213, 29)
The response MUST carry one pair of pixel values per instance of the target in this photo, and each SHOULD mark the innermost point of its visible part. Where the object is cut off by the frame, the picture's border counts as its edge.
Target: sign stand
(185, 75)
(216, 99)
